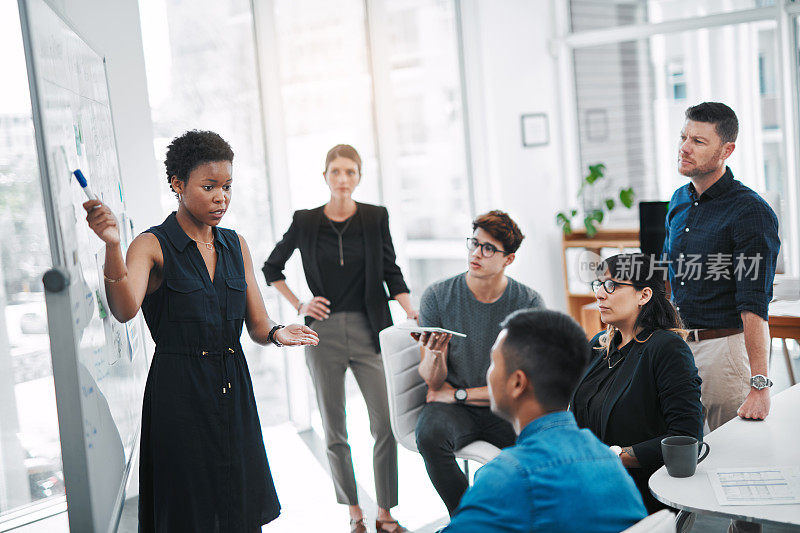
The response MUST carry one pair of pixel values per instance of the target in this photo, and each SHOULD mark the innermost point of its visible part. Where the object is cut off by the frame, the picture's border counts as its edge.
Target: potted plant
(595, 203)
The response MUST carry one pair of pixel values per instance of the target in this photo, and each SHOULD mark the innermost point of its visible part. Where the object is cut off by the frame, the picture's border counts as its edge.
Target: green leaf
(564, 221)
(626, 196)
(610, 203)
(591, 230)
(573, 212)
(595, 173)
(598, 215)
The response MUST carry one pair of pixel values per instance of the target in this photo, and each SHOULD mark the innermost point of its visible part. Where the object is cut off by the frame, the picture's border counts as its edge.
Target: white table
(741, 443)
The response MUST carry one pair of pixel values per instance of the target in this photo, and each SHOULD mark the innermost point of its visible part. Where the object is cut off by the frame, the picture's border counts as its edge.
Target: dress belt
(697, 335)
(226, 355)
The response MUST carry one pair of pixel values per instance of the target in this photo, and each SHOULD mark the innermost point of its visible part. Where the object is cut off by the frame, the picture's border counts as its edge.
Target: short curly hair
(193, 148)
(501, 227)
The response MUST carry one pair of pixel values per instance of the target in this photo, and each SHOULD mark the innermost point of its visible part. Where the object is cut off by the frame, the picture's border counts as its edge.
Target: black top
(654, 393)
(200, 427)
(380, 267)
(343, 283)
(722, 249)
(593, 390)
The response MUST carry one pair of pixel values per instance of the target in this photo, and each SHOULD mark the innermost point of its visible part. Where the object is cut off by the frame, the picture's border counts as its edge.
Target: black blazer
(655, 394)
(379, 260)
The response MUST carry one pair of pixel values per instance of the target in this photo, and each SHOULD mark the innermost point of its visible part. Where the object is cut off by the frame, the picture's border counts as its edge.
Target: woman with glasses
(347, 255)
(641, 384)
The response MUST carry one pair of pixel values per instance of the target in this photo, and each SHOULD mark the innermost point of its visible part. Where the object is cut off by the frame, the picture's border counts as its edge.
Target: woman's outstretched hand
(297, 335)
(102, 221)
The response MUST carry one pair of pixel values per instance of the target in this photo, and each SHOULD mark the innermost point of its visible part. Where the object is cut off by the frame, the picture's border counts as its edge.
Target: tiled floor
(301, 475)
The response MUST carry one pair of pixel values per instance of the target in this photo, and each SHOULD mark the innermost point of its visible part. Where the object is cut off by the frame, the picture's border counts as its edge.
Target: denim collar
(548, 421)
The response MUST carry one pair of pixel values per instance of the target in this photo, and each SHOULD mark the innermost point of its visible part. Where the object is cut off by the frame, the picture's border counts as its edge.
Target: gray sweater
(451, 305)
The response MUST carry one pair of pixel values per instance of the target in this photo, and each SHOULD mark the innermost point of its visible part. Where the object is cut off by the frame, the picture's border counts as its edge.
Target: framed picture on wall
(535, 131)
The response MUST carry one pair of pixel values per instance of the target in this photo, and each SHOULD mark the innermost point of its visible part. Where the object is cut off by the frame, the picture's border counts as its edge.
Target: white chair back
(661, 522)
(405, 387)
(407, 390)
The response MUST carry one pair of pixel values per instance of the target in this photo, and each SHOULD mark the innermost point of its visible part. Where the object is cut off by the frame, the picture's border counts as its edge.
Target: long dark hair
(642, 270)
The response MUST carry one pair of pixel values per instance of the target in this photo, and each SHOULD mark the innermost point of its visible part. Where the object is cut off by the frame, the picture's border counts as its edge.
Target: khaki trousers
(724, 367)
(345, 341)
(725, 370)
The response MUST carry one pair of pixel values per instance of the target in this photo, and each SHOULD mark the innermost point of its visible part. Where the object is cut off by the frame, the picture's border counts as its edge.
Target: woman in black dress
(641, 384)
(202, 464)
(348, 256)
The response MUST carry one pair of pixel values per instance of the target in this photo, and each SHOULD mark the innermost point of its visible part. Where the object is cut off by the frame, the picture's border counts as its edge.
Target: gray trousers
(345, 341)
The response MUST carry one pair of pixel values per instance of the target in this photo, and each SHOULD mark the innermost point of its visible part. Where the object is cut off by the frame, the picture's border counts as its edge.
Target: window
(30, 450)
(643, 116)
(677, 80)
(597, 14)
(430, 183)
(202, 73)
(326, 94)
(384, 77)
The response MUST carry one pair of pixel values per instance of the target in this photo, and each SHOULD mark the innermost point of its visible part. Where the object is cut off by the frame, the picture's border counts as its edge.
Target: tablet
(421, 329)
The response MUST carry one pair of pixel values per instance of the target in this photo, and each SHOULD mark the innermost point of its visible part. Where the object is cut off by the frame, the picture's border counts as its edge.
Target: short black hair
(724, 119)
(550, 348)
(193, 148)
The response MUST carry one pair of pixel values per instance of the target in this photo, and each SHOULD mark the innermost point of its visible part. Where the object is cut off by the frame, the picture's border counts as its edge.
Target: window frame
(784, 13)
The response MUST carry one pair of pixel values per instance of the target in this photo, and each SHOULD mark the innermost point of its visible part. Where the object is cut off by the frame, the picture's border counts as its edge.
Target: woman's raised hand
(102, 221)
(317, 308)
(297, 335)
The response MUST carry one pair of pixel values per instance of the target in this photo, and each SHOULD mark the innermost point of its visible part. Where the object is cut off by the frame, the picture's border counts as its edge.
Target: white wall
(112, 28)
(510, 72)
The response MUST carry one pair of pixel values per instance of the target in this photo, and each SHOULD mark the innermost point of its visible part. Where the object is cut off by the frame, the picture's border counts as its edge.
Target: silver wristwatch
(460, 395)
(759, 382)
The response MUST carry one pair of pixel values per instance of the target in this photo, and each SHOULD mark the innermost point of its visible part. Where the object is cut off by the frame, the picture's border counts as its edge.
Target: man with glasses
(473, 303)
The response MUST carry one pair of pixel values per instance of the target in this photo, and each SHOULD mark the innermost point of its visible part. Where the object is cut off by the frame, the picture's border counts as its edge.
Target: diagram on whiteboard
(73, 120)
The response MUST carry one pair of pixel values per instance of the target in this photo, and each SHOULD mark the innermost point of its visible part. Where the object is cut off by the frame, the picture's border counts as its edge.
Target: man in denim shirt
(557, 478)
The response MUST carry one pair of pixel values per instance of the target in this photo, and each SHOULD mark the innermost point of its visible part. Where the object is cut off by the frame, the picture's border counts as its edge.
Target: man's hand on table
(756, 405)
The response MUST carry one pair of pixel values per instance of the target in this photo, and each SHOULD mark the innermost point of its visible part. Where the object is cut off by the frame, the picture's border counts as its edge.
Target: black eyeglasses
(609, 285)
(487, 249)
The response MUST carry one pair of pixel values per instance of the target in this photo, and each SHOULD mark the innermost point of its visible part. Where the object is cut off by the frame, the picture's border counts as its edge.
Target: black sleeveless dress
(203, 467)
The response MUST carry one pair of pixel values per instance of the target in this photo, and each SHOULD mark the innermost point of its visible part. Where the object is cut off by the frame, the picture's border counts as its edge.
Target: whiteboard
(99, 364)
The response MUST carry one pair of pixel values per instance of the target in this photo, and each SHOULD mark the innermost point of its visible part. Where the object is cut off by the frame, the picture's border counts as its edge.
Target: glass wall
(30, 451)
(202, 74)
(326, 94)
(383, 76)
(429, 186)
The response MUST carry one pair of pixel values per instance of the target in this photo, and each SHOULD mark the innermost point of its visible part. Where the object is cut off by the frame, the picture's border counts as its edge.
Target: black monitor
(652, 232)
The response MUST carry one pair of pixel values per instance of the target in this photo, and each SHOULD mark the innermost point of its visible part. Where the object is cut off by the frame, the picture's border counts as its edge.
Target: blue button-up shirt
(722, 249)
(557, 478)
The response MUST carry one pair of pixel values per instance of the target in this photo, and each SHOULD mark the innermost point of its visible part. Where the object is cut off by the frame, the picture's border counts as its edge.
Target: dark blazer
(655, 394)
(379, 260)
